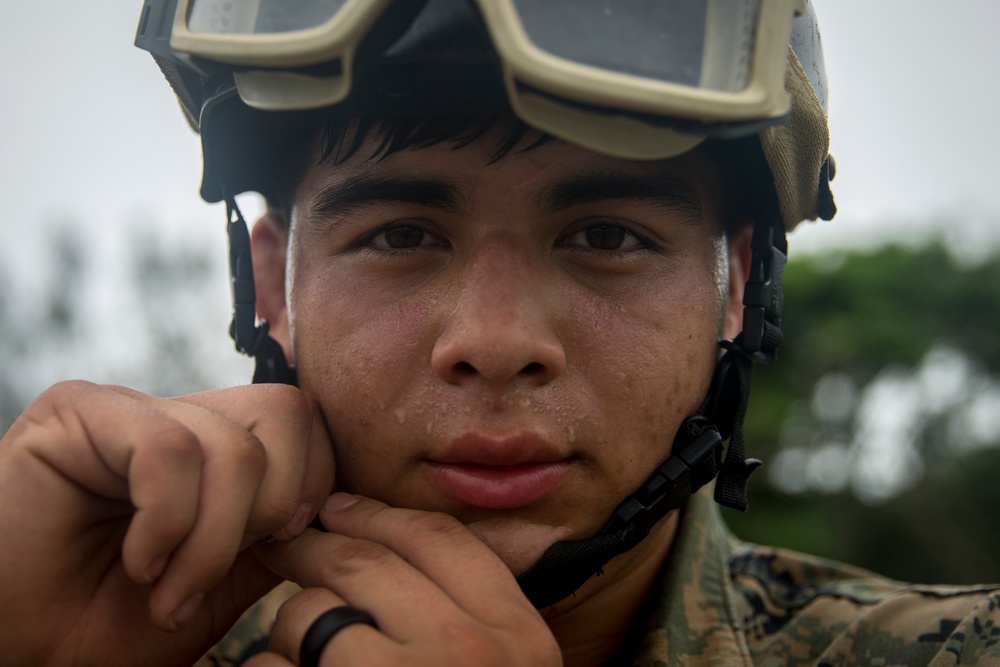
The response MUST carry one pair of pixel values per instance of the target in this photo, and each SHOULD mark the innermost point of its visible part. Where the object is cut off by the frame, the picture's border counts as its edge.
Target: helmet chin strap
(695, 459)
(696, 454)
(697, 451)
(251, 339)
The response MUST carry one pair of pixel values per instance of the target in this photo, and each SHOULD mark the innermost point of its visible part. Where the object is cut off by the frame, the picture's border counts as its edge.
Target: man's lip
(498, 486)
(500, 450)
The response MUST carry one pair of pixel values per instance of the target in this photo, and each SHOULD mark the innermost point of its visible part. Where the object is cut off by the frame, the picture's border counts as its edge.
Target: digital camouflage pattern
(724, 602)
(250, 633)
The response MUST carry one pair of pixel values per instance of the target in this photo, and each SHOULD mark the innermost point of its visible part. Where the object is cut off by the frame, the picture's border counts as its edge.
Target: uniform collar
(692, 618)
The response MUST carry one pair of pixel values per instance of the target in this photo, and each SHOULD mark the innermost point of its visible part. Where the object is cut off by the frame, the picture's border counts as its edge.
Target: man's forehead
(549, 186)
(556, 174)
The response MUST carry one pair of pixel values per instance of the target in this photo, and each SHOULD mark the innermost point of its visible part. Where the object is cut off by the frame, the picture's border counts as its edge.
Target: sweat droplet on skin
(400, 415)
(570, 433)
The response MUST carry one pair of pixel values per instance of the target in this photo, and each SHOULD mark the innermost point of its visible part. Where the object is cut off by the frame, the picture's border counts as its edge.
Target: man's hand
(437, 593)
(125, 517)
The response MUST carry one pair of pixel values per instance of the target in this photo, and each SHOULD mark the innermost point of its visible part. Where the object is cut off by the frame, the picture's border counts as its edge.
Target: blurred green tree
(880, 426)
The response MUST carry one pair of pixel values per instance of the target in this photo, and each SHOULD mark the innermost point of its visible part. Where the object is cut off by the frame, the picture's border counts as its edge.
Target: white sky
(90, 132)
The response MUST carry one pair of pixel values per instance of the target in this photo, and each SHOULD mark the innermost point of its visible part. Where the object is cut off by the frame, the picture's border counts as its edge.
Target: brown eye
(605, 237)
(400, 238)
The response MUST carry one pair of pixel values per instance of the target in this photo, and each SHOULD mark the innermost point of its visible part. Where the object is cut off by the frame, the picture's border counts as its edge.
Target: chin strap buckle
(566, 565)
(695, 460)
(762, 297)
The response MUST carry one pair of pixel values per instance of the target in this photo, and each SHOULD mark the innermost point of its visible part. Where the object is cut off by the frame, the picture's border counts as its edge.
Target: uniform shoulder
(803, 610)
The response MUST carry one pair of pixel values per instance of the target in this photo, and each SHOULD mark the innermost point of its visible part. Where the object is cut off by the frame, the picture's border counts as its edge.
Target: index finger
(434, 543)
(285, 420)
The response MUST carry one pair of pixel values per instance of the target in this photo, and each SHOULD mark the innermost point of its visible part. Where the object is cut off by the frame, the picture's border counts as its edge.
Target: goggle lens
(259, 17)
(698, 43)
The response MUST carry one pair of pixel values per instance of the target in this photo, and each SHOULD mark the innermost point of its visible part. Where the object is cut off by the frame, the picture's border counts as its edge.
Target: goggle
(631, 78)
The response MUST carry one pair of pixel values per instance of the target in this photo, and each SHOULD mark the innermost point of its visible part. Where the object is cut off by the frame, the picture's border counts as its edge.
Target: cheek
(356, 343)
(648, 357)
(639, 359)
(364, 358)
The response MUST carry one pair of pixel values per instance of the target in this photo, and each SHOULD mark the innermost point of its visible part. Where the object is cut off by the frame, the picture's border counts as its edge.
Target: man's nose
(501, 326)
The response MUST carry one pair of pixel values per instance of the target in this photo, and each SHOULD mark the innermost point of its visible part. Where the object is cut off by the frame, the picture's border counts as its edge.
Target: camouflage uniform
(724, 602)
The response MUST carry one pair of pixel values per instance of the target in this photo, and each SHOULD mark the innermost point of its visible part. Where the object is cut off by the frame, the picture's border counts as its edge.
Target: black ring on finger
(325, 627)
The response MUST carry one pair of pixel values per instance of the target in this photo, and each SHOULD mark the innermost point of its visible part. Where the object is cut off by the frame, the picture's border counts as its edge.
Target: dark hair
(745, 178)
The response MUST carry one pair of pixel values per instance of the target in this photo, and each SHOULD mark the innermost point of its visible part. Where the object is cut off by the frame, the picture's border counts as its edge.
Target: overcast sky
(90, 132)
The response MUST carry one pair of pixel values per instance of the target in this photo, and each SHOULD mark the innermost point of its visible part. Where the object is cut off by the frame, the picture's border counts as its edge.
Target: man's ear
(739, 270)
(268, 244)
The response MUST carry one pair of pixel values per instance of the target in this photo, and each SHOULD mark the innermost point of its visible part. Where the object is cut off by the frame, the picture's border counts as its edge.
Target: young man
(501, 305)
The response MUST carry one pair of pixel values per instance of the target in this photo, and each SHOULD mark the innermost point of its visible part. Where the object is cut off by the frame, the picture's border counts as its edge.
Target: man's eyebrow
(659, 188)
(357, 191)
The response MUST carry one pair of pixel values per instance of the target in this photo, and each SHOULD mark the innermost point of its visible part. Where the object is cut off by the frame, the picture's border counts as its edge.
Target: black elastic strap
(697, 447)
(731, 488)
(250, 338)
(566, 565)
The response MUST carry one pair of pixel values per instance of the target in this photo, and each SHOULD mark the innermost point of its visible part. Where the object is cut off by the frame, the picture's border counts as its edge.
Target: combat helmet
(631, 80)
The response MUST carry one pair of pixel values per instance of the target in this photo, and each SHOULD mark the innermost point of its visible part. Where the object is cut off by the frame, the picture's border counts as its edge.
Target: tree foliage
(910, 338)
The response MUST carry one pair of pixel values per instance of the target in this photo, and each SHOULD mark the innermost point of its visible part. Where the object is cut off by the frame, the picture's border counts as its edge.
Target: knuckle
(437, 526)
(289, 400)
(532, 644)
(300, 603)
(472, 643)
(439, 522)
(69, 389)
(276, 512)
(247, 452)
(211, 564)
(53, 410)
(128, 391)
(175, 441)
(358, 554)
(167, 528)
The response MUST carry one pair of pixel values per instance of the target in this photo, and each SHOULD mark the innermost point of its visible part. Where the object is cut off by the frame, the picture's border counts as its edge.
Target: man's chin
(519, 543)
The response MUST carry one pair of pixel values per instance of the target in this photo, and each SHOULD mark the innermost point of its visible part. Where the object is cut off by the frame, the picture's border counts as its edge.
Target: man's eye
(403, 237)
(605, 237)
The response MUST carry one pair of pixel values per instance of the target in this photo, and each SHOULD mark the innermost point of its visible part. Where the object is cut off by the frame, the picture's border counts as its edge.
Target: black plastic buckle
(762, 298)
(676, 479)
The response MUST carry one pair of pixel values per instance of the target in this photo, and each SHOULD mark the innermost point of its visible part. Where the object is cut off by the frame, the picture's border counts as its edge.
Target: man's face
(514, 343)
